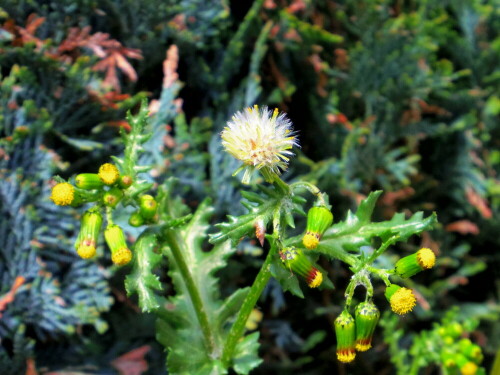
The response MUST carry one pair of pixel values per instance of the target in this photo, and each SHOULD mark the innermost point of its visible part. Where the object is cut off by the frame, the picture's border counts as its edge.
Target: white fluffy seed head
(260, 138)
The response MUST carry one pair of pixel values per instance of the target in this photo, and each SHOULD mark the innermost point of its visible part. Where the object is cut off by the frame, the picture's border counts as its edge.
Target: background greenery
(394, 95)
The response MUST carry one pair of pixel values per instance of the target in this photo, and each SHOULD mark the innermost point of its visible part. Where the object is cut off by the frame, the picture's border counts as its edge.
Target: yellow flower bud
(108, 173)
(63, 194)
(402, 300)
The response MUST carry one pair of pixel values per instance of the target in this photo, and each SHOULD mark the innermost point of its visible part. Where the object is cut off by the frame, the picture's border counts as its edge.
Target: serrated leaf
(246, 358)
(142, 280)
(179, 329)
(274, 205)
(358, 230)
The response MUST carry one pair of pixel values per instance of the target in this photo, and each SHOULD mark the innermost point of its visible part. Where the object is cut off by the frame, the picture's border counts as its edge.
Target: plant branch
(251, 299)
(314, 190)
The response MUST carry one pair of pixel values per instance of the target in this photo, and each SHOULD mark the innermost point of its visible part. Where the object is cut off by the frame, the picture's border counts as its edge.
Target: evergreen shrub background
(394, 95)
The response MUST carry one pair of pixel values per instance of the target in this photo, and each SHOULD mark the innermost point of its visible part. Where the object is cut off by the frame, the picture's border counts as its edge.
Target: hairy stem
(170, 237)
(313, 189)
(251, 299)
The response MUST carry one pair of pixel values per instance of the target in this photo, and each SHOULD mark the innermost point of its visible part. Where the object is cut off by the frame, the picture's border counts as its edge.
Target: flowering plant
(204, 333)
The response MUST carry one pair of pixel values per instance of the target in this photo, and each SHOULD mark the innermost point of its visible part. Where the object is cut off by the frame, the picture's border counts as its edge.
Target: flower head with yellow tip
(318, 220)
(115, 238)
(345, 331)
(261, 139)
(466, 366)
(426, 258)
(298, 263)
(366, 318)
(108, 173)
(121, 257)
(63, 194)
(410, 265)
(402, 300)
(89, 231)
(86, 251)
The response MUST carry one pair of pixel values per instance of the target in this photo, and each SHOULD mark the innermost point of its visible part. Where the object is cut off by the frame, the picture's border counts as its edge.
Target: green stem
(109, 215)
(170, 237)
(381, 273)
(251, 299)
(381, 249)
(313, 189)
(281, 185)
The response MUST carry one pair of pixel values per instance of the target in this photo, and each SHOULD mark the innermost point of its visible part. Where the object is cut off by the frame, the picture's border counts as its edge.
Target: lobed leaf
(178, 327)
(141, 279)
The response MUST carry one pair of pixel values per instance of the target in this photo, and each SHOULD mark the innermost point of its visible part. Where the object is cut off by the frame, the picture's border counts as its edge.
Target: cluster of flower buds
(295, 260)
(108, 183)
(318, 220)
(459, 354)
(355, 334)
(147, 212)
(401, 299)
(106, 188)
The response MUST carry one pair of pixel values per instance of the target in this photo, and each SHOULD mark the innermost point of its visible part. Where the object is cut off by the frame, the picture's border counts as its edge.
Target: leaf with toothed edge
(178, 328)
(272, 206)
(142, 280)
(357, 229)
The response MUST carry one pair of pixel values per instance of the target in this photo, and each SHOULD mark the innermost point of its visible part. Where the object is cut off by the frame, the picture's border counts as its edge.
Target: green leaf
(245, 358)
(142, 280)
(81, 144)
(274, 205)
(178, 328)
(134, 141)
(358, 230)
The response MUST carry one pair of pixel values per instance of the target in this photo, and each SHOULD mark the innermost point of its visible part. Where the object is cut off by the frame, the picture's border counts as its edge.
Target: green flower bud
(136, 219)
(413, 264)
(454, 330)
(318, 221)
(345, 330)
(148, 206)
(88, 181)
(367, 316)
(112, 197)
(298, 263)
(89, 231)
(120, 253)
(448, 358)
(125, 181)
(470, 350)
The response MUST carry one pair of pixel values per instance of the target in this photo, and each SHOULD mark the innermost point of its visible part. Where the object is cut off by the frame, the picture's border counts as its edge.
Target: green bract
(345, 331)
(366, 318)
